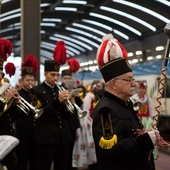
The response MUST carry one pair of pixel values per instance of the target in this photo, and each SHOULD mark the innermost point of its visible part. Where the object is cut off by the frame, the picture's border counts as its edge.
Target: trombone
(71, 106)
(27, 107)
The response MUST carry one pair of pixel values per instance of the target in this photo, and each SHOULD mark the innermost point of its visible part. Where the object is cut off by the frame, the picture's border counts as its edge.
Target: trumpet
(5, 104)
(71, 106)
(27, 107)
(136, 104)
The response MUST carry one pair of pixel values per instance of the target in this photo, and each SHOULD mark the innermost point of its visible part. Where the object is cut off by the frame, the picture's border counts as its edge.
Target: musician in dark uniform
(52, 128)
(7, 118)
(7, 105)
(120, 141)
(25, 123)
(66, 75)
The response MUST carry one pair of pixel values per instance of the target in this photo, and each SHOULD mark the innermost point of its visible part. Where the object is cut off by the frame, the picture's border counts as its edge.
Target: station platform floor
(163, 161)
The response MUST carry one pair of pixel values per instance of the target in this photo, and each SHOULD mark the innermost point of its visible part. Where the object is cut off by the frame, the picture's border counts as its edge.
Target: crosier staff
(162, 144)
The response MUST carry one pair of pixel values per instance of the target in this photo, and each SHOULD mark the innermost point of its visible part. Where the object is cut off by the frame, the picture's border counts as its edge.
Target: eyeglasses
(129, 80)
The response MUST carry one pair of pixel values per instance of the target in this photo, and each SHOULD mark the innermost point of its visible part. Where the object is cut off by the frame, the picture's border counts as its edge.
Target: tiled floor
(163, 161)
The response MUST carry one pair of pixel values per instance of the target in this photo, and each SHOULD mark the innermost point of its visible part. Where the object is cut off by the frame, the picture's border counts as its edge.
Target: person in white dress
(84, 155)
(146, 111)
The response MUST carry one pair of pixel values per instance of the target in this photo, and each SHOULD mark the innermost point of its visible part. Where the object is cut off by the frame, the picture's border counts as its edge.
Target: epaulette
(108, 140)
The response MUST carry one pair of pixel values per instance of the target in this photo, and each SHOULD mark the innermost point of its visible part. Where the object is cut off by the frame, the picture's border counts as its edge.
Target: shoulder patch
(108, 140)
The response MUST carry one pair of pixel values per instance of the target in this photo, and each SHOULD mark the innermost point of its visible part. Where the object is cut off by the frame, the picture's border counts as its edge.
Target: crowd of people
(110, 135)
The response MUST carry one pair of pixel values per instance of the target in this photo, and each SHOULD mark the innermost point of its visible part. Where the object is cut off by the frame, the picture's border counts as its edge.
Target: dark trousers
(73, 133)
(26, 152)
(59, 155)
(10, 161)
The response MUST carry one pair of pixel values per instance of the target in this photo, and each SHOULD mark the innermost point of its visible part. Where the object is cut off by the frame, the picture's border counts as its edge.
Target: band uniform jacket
(74, 120)
(25, 123)
(117, 145)
(52, 127)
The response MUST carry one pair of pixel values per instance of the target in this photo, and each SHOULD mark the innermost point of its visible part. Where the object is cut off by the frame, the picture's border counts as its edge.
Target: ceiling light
(10, 12)
(120, 34)
(131, 17)
(4, 1)
(52, 46)
(116, 22)
(89, 28)
(98, 24)
(130, 54)
(45, 5)
(42, 32)
(149, 58)
(159, 56)
(65, 9)
(159, 48)
(74, 2)
(10, 29)
(48, 24)
(138, 52)
(83, 33)
(15, 24)
(67, 42)
(134, 61)
(75, 41)
(51, 19)
(167, 3)
(86, 40)
(11, 37)
(143, 9)
(10, 17)
(73, 50)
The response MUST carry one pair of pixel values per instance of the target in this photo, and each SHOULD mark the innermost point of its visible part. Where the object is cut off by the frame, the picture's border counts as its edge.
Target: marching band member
(25, 123)
(8, 111)
(120, 140)
(52, 128)
(66, 76)
(146, 110)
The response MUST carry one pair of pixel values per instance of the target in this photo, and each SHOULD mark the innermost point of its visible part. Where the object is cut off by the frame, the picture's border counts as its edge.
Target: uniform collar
(117, 99)
(48, 85)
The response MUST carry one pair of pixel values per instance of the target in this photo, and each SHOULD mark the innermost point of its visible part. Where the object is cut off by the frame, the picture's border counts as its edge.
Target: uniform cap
(30, 66)
(59, 58)
(112, 58)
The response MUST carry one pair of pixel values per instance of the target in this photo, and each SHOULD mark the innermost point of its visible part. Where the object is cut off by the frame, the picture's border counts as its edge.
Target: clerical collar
(49, 85)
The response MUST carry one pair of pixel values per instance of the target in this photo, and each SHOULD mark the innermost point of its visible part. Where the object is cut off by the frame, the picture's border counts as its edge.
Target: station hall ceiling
(82, 24)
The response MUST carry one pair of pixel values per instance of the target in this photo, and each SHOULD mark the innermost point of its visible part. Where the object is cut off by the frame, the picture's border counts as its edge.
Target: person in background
(84, 155)
(25, 123)
(66, 75)
(91, 97)
(8, 100)
(7, 117)
(53, 132)
(146, 110)
(120, 140)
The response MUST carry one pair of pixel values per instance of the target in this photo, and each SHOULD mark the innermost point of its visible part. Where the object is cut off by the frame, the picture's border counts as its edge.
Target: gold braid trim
(108, 144)
(108, 140)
